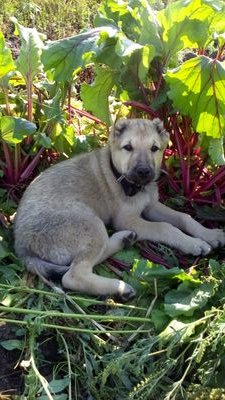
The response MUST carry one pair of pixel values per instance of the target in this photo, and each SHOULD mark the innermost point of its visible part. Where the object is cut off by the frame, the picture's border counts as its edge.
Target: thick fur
(60, 226)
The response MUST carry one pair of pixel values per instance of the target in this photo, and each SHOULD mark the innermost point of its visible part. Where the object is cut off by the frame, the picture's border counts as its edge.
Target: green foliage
(14, 129)
(99, 91)
(171, 338)
(140, 46)
(6, 61)
(197, 89)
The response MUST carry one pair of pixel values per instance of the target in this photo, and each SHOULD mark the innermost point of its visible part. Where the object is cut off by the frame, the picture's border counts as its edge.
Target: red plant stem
(9, 163)
(158, 85)
(222, 189)
(88, 115)
(142, 107)
(29, 104)
(154, 258)
(220, 174)
(28, 171)
(24, 161)
(220, 53)
(69, 105)
(17, 162)
(118, 264)
(174, 185)
(182, 162)
(143, 92)
(218, 195)
(197, 180)
(188, 139)
(29, 99)
(204, 200)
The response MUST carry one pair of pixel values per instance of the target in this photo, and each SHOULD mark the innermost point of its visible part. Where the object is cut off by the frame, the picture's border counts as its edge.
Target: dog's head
(137, 147)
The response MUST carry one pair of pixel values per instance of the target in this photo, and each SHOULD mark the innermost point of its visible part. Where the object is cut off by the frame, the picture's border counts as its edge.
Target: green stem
(67, 328)
(7, 103)
(69, 367)
(76, 298)
(17, 162)
(72, 315)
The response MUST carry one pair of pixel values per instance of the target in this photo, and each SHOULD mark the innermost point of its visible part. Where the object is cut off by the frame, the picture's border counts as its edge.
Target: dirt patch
(11, 374)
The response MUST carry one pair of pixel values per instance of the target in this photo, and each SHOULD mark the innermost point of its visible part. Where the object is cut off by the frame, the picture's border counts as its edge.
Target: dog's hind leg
(81, 278)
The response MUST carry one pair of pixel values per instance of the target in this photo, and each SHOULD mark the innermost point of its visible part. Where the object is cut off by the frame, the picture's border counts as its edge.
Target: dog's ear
(120, 126)
(164, 135)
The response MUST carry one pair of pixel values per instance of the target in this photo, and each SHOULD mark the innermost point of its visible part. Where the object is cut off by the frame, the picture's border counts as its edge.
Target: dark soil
(11, 374)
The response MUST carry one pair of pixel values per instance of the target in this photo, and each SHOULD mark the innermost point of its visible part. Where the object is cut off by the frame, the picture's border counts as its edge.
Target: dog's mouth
(141, 177)
(136, 180)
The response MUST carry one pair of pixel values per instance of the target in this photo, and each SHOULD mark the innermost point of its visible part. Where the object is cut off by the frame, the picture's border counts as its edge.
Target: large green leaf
(65, 55)
(95, 96)
(63, 138)
(150, 33)
(13, 130)
(136, 19)
(29, 60)
(185, 23)
(134, 72)
(197, 89)
(125, 14)
(185, 301)
(6, 61)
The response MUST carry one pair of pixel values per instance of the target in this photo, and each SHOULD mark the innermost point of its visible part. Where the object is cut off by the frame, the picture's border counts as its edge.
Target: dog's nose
(144, 172)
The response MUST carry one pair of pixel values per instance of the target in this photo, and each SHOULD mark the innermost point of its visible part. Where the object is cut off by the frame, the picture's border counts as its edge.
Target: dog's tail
(47, 271)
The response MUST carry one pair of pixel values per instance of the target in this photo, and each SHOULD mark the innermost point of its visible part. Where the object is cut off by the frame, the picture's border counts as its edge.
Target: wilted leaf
(197, 89)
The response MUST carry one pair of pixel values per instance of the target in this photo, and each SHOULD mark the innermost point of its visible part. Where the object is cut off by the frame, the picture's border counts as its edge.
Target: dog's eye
(154, 148)
(128, 147)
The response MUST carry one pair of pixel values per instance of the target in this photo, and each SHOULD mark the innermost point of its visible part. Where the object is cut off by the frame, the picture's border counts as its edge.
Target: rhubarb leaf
(66, 55)
(197, 89)
(95, 96)
(6, 61)
(184, 23)
(29, 61)
(13, 130)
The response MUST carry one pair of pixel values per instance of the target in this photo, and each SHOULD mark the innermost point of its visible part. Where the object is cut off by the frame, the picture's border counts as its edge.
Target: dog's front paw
(215, 237)
(130, 239)
(125, 292)
(197, 247)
